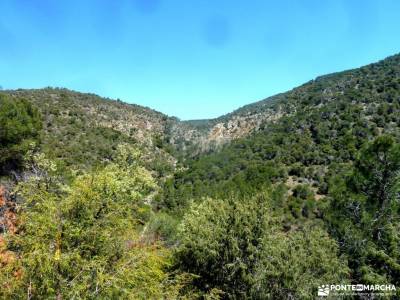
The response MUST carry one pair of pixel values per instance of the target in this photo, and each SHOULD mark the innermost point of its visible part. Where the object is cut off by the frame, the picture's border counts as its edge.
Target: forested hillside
(107, 200)
(320, 129)
(82, 131)
(333, 156)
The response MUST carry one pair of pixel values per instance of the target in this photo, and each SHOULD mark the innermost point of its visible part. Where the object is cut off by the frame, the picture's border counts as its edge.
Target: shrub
(238, 247)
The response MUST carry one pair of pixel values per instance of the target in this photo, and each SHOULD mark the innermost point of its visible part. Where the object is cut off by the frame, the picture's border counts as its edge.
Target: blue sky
(191, 59)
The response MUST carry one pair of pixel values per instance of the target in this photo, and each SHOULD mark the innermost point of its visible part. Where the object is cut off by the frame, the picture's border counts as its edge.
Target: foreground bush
(237, 246)
(83, 241)
(364, 212)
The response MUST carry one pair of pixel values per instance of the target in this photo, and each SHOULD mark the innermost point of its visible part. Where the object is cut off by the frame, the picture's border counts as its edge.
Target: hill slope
(83, 130)
(303, 135)
(249, 118)
(76, 121)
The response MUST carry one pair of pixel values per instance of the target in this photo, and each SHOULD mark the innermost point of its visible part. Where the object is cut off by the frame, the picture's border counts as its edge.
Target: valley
(110, 200)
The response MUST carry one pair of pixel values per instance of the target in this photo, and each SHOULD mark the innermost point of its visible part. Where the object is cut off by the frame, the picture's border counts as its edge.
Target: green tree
(20, 125)
(364, 212)
(238, 247)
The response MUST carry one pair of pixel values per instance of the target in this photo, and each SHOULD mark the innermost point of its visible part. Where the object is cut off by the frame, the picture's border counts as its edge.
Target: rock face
(240, 126)
(214, 133)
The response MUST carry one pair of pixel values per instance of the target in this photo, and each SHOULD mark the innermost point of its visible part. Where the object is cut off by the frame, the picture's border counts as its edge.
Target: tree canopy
(364, 212)
(238, 246)
(20, 125)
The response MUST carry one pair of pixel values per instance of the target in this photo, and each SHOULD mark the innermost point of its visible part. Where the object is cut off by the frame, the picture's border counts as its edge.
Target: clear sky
(189, 58)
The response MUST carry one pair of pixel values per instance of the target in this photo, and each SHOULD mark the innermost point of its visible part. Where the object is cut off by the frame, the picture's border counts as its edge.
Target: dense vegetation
(364, 212)
(241, 249)
(327, 121)
(83, 241)
(336, 150)
(111, 205)
(20, 124)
